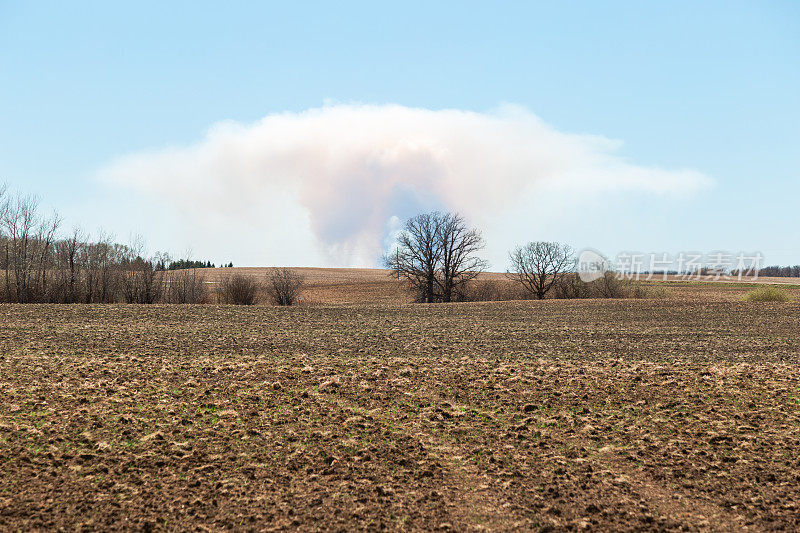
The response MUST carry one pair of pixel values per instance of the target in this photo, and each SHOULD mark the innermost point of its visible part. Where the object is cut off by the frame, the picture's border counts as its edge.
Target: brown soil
(673, 414)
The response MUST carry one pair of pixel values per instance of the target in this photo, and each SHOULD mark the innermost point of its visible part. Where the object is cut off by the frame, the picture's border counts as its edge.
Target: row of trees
(39, 265)
(183, 264)
(436, 254)
(780, 272)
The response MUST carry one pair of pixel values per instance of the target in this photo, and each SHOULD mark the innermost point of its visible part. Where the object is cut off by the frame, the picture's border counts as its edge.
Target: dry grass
(767, 294)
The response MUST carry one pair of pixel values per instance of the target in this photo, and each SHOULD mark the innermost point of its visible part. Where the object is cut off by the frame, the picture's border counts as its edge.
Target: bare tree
(18, 222)
(435, 254)
(39, 265)
(458, 244)
(417, 255)
(284, 286)
(538, 266)
(571, 286)
(103, 262)
(45, 239)
(186, 286)
(612, 285)
(69, 268)
(3, 201)
(27, 245)
(143, 282)
(5, 206)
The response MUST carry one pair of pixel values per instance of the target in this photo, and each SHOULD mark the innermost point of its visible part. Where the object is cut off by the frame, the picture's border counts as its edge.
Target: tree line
(776, 271)
(39, 265)
(435, 254)
(182, 264)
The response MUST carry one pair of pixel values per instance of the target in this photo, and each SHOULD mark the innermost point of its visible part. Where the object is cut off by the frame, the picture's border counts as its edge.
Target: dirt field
(340, 285)
(676, 414)
(377, 286)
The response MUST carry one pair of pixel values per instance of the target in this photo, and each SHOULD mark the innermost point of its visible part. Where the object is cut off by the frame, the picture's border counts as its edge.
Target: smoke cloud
(327, 186)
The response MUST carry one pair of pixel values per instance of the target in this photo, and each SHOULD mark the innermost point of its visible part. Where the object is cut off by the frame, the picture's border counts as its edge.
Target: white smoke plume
(338, 179)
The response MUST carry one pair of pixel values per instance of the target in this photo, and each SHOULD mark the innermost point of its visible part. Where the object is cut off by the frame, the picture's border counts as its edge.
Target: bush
(571, 286)
(480, 290)
(568, 286)
(767, 294)
(237, 289)
(609, 286)
(284, 286)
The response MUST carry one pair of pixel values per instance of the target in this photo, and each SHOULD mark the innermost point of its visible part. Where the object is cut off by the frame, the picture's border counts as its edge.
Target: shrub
(609, 286)
(284, 286)
(767, 294)
(572, 286)
(481, 290)
(237, 289)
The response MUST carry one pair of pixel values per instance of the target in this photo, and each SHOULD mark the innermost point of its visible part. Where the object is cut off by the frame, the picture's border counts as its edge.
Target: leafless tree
(458, 264)
(27, 249)
(103, 261)
(18, 222)
(3, 201)
(284, 286)
(538, 266)
(491, 290)
(143, 282)
(611, 285)
(417, 255)
(69, 270)
(39, 265)
(5, 205)
(186, 286)
(435, 253)
(45, 239)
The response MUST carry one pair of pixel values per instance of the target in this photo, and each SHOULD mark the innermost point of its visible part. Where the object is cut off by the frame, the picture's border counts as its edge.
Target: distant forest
(182, 264)
(780, 272)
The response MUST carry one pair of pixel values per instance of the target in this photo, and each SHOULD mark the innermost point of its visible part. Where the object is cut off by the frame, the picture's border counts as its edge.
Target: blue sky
(710, 87)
